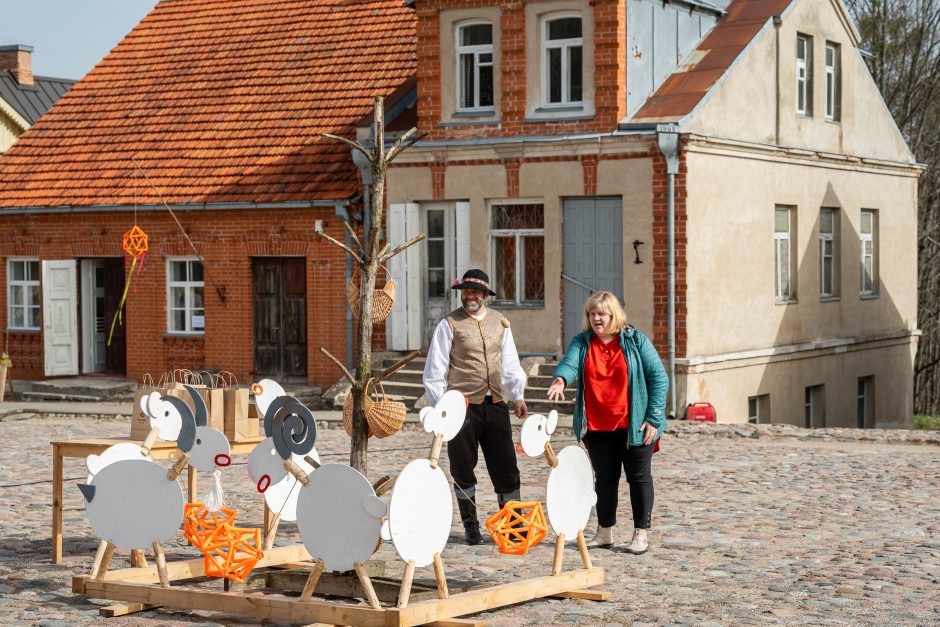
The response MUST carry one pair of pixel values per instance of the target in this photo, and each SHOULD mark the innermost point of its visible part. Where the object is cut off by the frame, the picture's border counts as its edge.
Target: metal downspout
(667, 137)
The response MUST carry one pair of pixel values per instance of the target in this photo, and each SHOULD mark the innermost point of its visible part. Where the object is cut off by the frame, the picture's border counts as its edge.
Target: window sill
(473, 121)
(791, 301)
(560, 108)
(833, 121)
(24, 331)
(869, 296)
(829, 299)
(505, 304)
(185, 335)
(475, 113)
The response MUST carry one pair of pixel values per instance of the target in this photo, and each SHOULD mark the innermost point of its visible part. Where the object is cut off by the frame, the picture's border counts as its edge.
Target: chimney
(17, 59)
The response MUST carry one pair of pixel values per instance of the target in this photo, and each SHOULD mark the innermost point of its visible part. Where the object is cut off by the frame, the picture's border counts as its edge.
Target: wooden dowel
(440, 577)
(559, 554)
(102, 547)
(383, 485)
(105, 561)
(149, 441)
(177, 469)
(270, 531)
(297, 471)
(312, 581)
(137, 559)
(436, 449)
(312, 461)
(367, 586)
(550, 455)
(582, 547)
(161, 565)
(406, 580)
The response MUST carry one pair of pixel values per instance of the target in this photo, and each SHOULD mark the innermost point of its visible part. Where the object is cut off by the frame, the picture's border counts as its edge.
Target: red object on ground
(701, 412)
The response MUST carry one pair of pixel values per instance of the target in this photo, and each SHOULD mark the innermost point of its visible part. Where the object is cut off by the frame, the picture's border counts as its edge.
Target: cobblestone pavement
(745, 531)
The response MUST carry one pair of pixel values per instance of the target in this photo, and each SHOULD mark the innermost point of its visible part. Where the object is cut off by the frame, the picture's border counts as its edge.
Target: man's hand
(521, 410)
(556, 392)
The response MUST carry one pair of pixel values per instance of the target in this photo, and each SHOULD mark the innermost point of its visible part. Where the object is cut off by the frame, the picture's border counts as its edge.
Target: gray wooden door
(280, 318)
(593, 255)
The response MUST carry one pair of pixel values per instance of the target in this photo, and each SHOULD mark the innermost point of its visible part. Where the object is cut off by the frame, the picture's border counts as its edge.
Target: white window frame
(784, 241)
(519, 235)
(565, 45)
(869, 288)
(23, 284)
(804, 76)
(833, 81)
(476, 51)
(829, 239)
(188, 305)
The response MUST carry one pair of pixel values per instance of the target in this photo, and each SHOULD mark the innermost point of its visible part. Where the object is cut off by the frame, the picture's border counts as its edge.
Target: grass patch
(928, 423)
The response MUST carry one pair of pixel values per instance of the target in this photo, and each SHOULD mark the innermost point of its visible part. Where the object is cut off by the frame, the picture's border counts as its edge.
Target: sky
(69, 37)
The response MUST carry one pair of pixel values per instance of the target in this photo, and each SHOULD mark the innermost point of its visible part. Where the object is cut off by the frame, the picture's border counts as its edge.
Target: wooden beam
(123, 609)
(459, 622)
(587, 595)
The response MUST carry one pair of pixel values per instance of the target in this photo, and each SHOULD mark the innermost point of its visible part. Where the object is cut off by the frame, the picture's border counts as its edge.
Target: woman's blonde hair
(606, 302)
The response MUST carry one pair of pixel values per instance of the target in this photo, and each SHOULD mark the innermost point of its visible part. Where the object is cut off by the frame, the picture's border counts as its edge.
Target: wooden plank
(587, 595)
(56, 503)
(191, 569)
(459, 622)
(366, 584)
(482, 599)
(123, 609)
(258, 606)
(336, 584)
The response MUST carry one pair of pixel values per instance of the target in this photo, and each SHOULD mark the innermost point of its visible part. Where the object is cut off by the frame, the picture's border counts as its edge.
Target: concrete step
(547, 370)
(57, 396)
(405, 375)
(81, 389)
(542, 405)
(415, 364)
(402, 388)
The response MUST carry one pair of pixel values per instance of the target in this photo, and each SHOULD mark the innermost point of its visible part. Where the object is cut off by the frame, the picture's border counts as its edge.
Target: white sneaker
(603, 537)
(640, 544)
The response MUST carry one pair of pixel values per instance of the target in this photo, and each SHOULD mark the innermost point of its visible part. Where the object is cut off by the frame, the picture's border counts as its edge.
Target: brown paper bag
(140, 422)
(235, 400)
(213, 396)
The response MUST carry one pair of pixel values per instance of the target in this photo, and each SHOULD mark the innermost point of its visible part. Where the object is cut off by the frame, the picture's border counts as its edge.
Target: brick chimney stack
(18, 60)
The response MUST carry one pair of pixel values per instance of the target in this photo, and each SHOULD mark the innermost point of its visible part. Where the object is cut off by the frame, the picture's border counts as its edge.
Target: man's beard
(472, 307)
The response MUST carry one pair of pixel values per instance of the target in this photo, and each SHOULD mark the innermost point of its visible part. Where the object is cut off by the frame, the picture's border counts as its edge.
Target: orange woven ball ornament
(230, 552)
(134, 242)
(518, 527)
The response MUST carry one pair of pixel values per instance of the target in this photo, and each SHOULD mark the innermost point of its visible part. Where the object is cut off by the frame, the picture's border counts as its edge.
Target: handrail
(577, 282)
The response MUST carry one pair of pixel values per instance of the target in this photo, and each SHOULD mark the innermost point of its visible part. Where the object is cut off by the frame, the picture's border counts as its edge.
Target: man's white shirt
(512, 380)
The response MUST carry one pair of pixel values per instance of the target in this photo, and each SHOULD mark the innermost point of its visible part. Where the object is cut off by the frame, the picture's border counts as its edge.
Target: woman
(619, 411)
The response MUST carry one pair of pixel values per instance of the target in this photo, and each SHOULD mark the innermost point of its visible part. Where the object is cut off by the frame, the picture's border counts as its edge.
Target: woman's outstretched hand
(649, 433)
(556, 391)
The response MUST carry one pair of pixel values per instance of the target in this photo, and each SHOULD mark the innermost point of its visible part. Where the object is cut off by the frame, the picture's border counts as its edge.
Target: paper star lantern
(230, 552)
(518, 527)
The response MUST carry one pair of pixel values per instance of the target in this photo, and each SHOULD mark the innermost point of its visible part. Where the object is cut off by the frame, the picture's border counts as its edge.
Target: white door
(94, 321)
(440, 265)
(403, 327)
(60, 318)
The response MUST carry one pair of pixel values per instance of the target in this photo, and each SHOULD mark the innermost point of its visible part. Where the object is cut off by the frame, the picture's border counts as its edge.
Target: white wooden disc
(282, 497)
(570, 494)
(265, 466)
(339, 516)
(265, 391)
(420, 512)
(447, 416)
(135, 505)
(164, 416)
(114, 453)
(210, 451)
(535, 434)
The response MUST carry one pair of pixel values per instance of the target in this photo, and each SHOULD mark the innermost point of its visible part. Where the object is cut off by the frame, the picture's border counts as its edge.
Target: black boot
(502, 499)
(468, 516)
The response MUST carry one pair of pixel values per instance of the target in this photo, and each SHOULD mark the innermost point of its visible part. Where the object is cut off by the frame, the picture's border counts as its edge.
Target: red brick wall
(609, 71)
(661, 256)
(227, 240)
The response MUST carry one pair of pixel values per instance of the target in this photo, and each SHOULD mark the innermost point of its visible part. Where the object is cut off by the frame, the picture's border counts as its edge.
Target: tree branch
(414, 240)
(341, 245)
(395, 367)
(339, 365)
(352, 233)
(349, 142)
(398, 149)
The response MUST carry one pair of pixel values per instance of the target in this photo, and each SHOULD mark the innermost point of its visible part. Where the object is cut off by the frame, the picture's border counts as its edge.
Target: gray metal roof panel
(32, 101)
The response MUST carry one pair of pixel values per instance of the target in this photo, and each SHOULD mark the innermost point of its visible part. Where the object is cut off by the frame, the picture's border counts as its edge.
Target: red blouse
(606, 401)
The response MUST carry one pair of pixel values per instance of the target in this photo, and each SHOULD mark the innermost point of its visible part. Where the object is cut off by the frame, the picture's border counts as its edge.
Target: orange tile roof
(687, 86)
(220, 101)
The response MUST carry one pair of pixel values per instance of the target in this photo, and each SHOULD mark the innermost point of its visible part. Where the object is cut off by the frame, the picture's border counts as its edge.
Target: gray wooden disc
(420, 512)
(211, 450)
(135, 505)
(265, 466)
(114, 453)
(570, 495)
(339, 516)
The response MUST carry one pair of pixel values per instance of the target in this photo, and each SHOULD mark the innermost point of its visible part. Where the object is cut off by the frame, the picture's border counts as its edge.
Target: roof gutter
(206, 206)
(533, 139)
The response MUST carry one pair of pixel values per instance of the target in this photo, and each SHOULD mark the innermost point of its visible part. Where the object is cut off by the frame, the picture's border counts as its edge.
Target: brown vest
(474, 355)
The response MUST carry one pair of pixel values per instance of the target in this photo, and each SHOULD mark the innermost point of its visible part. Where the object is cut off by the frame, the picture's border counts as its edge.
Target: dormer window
(475, 67)
(561, 61)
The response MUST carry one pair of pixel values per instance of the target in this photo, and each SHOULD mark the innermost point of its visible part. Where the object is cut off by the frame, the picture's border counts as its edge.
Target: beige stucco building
(24, 98)
(795, 200)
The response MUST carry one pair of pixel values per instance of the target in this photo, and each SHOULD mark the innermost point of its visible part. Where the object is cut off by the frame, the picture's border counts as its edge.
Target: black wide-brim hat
(474, 279)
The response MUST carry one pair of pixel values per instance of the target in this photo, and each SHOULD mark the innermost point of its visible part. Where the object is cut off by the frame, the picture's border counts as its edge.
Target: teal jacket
(646, 376)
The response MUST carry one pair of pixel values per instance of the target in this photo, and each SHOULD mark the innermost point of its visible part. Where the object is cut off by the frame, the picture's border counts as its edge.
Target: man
(472, 351)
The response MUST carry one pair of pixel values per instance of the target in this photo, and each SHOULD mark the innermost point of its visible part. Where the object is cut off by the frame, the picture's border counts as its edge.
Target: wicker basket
(382, 299)
(385, 417)
(348, 410)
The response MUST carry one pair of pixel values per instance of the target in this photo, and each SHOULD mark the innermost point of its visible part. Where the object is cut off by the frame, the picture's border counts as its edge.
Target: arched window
(561, 60)
(475, 67)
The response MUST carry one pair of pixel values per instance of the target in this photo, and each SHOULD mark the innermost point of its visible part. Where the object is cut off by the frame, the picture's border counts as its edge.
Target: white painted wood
(413, 277)
(336, 516)
(396, 326)
(282, 496)
(569, 495)
(420, 512)
(462, 225)
(60, 317)
(164, 416)
(135, 505)
(535, 434)
(93, 321)
(447, 416)
(112, 454)
(265, 391)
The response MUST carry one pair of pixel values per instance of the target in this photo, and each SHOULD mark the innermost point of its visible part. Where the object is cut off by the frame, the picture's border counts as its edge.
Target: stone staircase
(406, 386)
(82, 388)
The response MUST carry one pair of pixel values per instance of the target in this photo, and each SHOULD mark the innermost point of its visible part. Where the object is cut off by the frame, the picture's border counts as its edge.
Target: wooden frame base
(140, 588)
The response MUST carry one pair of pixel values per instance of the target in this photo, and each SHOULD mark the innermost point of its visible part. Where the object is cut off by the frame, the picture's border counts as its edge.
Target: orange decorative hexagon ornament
(518, 527)
(134, 242)
(230, 552)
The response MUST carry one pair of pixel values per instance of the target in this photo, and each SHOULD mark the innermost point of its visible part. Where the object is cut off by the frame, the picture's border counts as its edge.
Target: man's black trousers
(487, 427)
